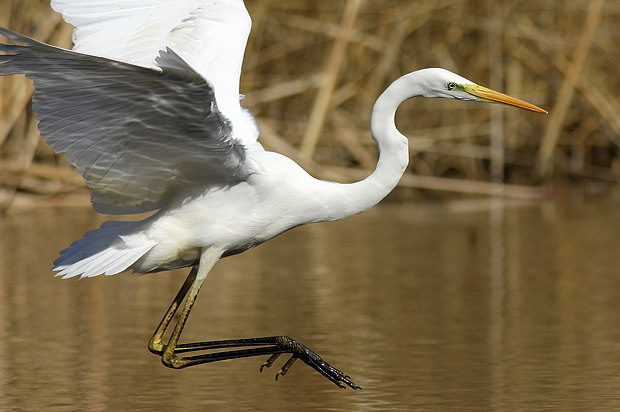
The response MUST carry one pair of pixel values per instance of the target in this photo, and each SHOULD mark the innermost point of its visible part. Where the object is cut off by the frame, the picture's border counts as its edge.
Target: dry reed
(313, 69)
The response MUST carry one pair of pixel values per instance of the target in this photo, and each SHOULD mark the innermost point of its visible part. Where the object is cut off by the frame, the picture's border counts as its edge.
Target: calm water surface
(467, 306)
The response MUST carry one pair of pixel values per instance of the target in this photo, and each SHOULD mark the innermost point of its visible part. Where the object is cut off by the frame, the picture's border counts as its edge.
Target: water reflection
(460, 307)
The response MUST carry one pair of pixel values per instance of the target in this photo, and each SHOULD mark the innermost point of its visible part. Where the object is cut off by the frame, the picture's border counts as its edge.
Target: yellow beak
(497, 97)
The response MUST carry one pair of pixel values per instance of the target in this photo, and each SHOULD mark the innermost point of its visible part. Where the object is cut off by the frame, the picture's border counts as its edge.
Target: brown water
(455, 307)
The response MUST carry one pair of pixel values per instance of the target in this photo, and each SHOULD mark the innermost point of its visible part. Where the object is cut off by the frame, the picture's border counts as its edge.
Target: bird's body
(151, 117)
(277, 195)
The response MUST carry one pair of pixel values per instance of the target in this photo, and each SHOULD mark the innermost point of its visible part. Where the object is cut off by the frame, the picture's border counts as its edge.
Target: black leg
(156, 344)
(272, 345)
(248, 347)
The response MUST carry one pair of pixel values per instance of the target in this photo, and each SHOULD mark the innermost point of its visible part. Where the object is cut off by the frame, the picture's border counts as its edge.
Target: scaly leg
(156, 344)
(272, 345)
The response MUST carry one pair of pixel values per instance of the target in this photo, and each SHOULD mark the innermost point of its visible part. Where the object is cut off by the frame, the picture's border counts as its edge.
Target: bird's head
(437, 82)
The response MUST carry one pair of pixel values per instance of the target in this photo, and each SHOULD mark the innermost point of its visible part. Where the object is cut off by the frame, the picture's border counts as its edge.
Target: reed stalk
(314, 67)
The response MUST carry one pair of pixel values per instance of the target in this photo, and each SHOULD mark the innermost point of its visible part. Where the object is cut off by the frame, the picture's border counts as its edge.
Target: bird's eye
(451, 86)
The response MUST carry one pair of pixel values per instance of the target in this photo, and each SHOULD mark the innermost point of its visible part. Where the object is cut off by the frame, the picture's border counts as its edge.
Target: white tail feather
(108, 250)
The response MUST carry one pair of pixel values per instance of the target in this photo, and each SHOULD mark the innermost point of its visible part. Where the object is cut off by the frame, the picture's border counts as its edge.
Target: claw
(284, 370)
(270, 361)
(311, 359)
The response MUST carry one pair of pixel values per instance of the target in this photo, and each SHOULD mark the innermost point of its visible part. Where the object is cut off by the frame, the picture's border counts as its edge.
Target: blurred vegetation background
(313, 69)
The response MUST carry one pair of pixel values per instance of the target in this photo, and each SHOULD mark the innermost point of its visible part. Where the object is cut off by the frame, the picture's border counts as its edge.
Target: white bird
(147, 108)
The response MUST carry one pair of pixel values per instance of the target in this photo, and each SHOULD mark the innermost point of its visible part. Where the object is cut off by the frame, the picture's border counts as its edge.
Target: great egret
(147, 108)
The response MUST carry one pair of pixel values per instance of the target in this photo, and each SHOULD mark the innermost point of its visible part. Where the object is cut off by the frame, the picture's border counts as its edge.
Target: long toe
(315, 361)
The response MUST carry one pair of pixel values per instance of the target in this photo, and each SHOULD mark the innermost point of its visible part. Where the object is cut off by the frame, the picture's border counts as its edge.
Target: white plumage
(154, 123)
(210, 36)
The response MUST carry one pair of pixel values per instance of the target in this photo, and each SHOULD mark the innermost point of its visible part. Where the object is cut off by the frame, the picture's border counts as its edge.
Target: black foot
(311, 359)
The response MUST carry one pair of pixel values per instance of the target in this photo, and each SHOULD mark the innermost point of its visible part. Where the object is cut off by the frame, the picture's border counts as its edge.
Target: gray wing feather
(137, 135)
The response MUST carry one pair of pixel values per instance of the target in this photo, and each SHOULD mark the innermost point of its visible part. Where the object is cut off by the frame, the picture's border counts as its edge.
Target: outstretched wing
(209, 35)
(137, 135)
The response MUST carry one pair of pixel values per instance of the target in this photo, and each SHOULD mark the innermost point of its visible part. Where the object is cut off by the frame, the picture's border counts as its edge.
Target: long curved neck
(349, 199)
